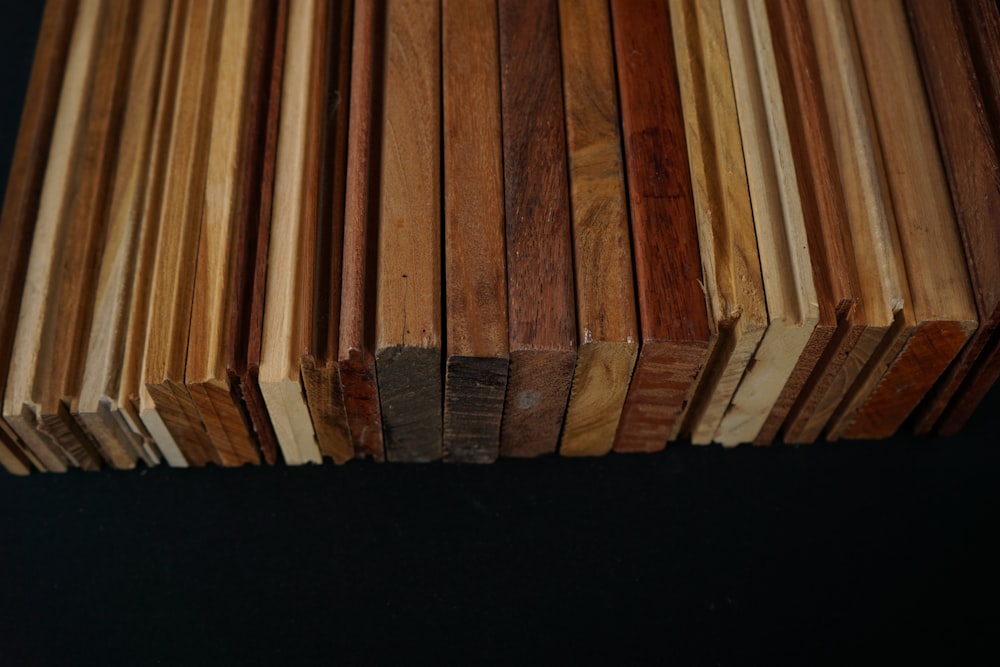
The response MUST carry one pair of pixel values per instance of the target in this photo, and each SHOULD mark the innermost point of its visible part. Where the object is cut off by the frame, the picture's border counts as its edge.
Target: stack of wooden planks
(252, 231)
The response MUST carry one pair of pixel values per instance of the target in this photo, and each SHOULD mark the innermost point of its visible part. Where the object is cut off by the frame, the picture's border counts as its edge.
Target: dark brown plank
(957, 76)
(357, 326)
(672, 312)
(542, 321)
(475, 266)
(27, 171)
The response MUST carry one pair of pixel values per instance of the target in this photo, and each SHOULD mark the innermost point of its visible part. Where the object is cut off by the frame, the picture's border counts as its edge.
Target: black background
(828, 554)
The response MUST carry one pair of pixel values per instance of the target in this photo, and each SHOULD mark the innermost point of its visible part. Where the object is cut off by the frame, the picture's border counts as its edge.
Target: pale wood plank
(24, 187)
(602, 255)
(165, 405)
(782, 242)
(96, 407)
(731, 267)
(475, 264)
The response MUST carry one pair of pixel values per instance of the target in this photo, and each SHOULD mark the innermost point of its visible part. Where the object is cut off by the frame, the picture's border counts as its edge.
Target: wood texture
(165, 405)
(883, 301)
(602, 255)
(47, 355)
(408, 335)
(357, 312)
(782, 241)
(671, 304)
(288, 308)
(835, 274)
(731, 266)
(542, 322)
(475, 264)
(932, 252)
(24, 187)
(956, 53)
(255, 248)
(320, 371)
(97, 407)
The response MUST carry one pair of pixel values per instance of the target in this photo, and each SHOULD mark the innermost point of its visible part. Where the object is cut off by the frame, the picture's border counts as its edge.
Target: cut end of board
(600, 383)
(538, 387)
(286, 404)
(410, 398)
(473, 408)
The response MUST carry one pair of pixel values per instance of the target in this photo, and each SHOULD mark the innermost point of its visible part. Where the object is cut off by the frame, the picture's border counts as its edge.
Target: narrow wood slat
(673, 319)
(869, 215)
(97, 407)
(542, 322)
(165, 405)
(320, 370)
(732, 272)
(475, 266)
(229, 164)
(24, 187)
(835, 273)
(408, 324)
(943, 308)
(782, 241)
(256, 252)
(47, 352)
(956, 53)
(288, 307)
(602, 255)
(357, 315)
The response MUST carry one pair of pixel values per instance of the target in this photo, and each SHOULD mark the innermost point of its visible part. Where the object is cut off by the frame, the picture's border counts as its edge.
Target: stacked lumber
(261, 231)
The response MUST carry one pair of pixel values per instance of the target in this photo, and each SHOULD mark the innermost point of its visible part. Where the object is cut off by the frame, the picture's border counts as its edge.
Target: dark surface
(815, 555)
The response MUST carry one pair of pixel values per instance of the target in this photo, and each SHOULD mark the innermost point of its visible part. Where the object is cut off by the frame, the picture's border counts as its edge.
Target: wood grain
(932, 253)
(320, 371)
(602, 255)
(883, 299)
(46, 364)
(288, 308)
(357, 312)
(782, 241)
(542, 322)
(97, 407)
(24, 187)
(165, 405)
(229, 164)
(475, 263)
(824, 216)
(256, 249)
(957, 74)
(671, 305)
(731, 266)
(408, 335)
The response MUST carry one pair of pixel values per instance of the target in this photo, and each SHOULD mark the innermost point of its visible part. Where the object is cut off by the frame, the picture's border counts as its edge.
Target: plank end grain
(600, 386)
(473, 407)
(411, 402)
(537, 391)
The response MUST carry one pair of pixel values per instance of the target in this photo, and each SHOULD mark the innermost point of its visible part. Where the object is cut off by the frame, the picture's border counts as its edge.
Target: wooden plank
(881, 287)
(288, 308)
(732, 272)
(97, 408)
(542, 322)
(46, 362)
(256, 247)
(602, 255)
(320, 371)
(782, 241)
(408, 304)
(671, 305)
(357, 314)
(165, 406)
(230, 162)
(933, 258)
(13, 459)
(475, 265)
(24, 187)
(955, 51)
(835, 273)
